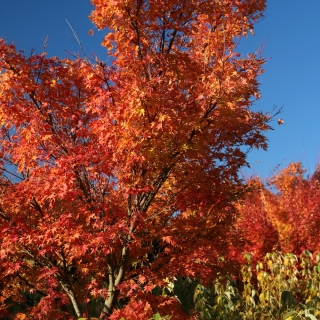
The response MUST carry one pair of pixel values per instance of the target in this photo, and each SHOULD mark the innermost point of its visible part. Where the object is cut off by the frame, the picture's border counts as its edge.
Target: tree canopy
(119, 174)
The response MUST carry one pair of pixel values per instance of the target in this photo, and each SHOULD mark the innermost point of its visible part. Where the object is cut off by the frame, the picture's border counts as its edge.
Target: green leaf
(157, 316)
(287, 300)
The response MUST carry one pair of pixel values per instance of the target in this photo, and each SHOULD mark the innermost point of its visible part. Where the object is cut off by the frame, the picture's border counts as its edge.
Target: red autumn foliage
(282, 215)
(296, 209)
(254, 223)
(117, 176)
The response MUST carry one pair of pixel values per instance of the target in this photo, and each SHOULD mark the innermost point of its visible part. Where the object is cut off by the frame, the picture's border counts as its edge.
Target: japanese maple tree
(255, 221)
(281, 214)
(118, 174)
(295, 209)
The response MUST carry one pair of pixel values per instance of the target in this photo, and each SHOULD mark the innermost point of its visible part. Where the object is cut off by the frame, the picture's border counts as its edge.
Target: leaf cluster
(282, 286)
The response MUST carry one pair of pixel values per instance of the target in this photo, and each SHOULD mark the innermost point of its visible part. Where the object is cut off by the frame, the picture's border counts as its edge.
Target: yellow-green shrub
(282, 286)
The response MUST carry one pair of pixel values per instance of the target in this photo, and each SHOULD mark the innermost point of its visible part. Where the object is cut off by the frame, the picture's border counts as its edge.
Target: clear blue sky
(291, 30)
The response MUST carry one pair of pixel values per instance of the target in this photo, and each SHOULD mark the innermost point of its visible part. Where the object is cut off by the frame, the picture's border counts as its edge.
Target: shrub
(282, 286)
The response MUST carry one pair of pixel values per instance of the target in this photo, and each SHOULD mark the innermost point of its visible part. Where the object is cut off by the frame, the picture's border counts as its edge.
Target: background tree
(281, 214)
(256, 223)
(296, 208)
(117, 175)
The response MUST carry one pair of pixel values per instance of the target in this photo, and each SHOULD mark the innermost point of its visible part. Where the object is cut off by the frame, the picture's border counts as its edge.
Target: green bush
(280, 287)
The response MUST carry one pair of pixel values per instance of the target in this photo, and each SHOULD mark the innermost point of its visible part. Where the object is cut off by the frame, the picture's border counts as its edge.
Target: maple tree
(295, 208)
(255, 222)
(281, 214)
(118, 175)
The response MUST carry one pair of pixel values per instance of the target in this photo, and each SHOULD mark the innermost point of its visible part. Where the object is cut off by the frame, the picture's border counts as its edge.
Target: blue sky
(290, 32)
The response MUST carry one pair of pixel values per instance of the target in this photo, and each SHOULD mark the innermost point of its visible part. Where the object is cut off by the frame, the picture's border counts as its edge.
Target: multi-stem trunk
(116, 276)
